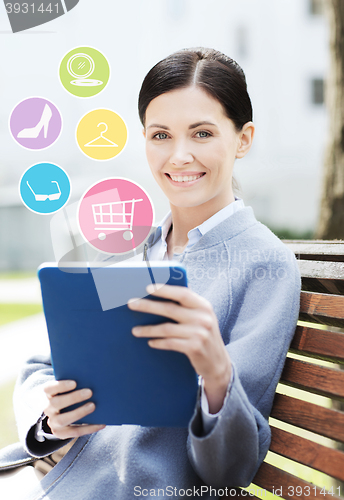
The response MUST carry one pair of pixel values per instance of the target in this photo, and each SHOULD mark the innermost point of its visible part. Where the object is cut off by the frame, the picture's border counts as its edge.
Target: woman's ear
(245, 139)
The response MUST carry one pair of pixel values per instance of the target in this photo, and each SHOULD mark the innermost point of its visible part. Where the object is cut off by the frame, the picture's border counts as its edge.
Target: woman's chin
(186, 203)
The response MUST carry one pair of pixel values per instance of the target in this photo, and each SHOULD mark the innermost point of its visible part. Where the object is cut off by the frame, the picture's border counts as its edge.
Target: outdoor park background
(282, 46)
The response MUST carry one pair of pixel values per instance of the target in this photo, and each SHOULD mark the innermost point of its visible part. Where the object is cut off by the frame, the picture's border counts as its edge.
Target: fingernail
(136, 330)
(71, 384)
(87, 393)
(90, 406)
(154, 287)
(133, 301)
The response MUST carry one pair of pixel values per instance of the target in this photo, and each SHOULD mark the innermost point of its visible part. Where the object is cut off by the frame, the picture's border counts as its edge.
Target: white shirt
(159, 250)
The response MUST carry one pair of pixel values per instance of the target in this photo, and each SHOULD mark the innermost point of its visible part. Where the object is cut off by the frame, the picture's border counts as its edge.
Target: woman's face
(191, 146)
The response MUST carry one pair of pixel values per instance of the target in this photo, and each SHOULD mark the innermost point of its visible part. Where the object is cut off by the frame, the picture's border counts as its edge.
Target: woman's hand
(196, 333)
(61, 394)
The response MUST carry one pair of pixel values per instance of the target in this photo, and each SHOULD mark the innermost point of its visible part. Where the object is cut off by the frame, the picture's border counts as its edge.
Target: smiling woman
(234, 322)
(197, 118)
(192, 155)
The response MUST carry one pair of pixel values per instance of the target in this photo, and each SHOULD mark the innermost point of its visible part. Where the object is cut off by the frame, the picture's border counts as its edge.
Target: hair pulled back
(214, 72)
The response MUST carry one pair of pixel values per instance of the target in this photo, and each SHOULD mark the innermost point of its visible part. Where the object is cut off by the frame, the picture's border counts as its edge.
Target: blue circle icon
(44, 188)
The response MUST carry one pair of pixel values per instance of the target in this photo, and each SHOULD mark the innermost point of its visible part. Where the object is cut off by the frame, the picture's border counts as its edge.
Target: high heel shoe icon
(33, 132)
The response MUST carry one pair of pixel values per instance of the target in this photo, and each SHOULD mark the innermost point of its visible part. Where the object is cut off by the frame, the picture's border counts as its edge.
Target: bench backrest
(322, 303)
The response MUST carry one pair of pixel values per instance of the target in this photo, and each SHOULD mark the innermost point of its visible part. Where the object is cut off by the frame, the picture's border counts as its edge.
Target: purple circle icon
(35, 123)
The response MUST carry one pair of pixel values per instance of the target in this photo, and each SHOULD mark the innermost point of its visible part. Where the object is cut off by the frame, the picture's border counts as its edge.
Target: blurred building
(281, 45)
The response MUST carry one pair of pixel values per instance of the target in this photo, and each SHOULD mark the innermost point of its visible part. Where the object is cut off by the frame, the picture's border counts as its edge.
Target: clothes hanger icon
(110, 144)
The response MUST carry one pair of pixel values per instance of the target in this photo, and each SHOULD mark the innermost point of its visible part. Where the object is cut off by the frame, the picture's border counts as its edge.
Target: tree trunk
(331, 221)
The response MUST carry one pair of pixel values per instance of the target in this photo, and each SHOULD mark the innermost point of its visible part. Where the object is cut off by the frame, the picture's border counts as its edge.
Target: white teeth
(185, 178)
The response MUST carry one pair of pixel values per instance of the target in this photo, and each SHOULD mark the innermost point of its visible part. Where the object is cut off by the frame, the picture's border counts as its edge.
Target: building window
(242, 42)
(318, 91)
(316, 7)
(175, 9)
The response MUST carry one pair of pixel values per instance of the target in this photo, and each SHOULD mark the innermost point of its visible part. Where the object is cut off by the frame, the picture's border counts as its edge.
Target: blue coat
(253, 283)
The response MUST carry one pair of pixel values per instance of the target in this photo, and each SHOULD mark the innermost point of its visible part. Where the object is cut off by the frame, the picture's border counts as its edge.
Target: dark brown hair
(219, 75)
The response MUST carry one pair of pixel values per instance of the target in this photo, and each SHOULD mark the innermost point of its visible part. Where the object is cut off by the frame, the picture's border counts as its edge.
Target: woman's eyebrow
(156, 125)
(205, 122)
(194, 125)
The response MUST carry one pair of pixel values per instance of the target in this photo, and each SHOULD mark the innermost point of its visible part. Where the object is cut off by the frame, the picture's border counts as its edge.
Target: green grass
(12, 312)
(290, 234)
(17, 275)
(8, 431)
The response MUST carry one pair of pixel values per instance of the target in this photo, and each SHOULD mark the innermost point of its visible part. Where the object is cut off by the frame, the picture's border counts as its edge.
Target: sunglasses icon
(44, 197)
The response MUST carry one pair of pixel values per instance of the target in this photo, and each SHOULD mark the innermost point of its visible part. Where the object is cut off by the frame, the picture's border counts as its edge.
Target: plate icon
(84, 72)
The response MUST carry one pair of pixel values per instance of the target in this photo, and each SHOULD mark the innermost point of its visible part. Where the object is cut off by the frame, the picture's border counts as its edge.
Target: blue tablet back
(89, 327)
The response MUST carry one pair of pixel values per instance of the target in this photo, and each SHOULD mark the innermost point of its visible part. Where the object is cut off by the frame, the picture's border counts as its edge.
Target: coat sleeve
(29, 401)
(260, 325)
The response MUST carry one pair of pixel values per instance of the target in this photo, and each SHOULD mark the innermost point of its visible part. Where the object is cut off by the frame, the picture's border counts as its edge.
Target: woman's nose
(181, 155)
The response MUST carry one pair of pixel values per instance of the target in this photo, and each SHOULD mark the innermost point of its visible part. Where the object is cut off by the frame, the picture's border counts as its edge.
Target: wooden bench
(322, 302)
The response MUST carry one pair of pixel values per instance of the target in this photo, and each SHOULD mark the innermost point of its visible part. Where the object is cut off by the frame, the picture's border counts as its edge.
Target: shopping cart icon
(43, 197)
(114, 216)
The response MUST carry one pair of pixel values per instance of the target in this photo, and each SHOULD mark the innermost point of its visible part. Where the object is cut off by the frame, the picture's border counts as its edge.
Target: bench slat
(323, 285)
(306, 452)
(319, 304)
(322, 277)
(321, 270)
(323, 421)
(312, 378)
(272, 479)
(327, 309)
(317, 250)
(321, 344)
(320, 257)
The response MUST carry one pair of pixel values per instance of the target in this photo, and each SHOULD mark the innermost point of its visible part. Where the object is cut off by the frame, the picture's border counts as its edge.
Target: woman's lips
(185, 179)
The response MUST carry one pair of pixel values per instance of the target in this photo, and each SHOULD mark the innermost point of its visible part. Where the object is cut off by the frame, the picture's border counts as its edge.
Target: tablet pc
(89, 327)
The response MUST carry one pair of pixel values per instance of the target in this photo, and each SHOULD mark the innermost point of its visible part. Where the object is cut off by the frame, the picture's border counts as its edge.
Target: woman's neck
(183, 220)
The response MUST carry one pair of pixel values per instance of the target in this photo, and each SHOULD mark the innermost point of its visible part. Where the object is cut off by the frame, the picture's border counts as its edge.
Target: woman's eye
(160, 135)
(202, 134)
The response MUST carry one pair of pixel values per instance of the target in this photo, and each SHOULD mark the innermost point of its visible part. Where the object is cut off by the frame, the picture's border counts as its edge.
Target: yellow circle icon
(101, 134)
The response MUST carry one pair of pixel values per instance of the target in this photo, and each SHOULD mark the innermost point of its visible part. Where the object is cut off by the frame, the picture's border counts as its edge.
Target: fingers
(59, 402)
(165, 330)
(180, 294)
(59, 387)
(192, 340)
(75, 431)
(169, 310)
(61, 424)
(61, 395)
(186, 307)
